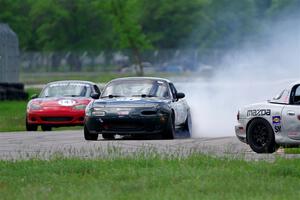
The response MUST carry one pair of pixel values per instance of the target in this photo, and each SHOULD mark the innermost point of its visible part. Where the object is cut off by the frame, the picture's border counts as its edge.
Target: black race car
(137, 106)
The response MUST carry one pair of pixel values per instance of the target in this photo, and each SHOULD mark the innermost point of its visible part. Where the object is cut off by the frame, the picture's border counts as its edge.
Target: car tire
(108, 136)
(46, 128)
(88, 135)
(170, 129)
(260, 137)
(31, 127)
(187, 127)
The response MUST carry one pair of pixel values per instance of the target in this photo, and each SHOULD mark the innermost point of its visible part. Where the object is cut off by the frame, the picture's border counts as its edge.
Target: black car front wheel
(169, 132)
(260, 137)
(88, 135)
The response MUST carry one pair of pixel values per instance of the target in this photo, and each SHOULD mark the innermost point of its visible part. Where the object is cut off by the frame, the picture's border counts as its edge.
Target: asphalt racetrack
(46, 145)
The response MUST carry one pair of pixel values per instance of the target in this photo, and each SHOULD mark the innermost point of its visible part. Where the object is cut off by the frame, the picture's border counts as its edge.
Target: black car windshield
(68, 89)
(132, 88)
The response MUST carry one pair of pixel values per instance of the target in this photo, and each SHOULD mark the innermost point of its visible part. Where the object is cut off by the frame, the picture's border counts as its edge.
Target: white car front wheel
(260, 137)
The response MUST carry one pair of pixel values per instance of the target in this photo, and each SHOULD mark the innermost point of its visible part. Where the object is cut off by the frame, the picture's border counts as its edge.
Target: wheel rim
(260, 136)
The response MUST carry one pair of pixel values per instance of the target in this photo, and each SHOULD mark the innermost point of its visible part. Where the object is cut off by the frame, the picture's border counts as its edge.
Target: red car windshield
(66, 90)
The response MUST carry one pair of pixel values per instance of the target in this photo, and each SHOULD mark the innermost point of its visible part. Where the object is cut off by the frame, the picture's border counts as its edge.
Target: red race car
(61, 103)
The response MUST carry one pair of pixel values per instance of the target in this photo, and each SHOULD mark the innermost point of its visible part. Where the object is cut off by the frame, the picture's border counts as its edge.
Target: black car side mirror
(34, 96)
(95, 95)
(180, 95)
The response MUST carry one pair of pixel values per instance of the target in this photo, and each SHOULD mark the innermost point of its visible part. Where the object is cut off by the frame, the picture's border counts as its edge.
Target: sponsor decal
(259, 112)
(123, 112)
(277, 129)
(67, 84)
(276, 120)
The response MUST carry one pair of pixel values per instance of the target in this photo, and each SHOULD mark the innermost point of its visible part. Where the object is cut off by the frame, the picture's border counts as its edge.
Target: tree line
(93, 25)
(60, 25)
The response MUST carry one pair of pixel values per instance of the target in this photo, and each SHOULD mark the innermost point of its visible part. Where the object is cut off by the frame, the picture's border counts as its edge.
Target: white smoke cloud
(252, 74)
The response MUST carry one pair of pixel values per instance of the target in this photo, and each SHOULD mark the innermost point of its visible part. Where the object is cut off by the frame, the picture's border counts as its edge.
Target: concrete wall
(9, 55)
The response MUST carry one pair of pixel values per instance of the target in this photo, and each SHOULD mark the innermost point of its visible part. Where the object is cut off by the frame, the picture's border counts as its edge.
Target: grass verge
(43, 78)
(98, 77)
(292, 150)
(195, 177)
(12, 117)
(13, 114)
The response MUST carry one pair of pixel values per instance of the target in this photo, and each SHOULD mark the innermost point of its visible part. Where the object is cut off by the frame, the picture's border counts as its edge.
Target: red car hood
(61, 101)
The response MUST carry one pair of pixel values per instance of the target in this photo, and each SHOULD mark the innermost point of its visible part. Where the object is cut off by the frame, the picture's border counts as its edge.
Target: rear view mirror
(34, 96)
(180, 95)
(95, 95)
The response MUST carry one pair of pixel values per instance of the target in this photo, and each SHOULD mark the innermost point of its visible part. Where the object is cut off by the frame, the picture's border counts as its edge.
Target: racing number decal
(260, 112)
(66, 102)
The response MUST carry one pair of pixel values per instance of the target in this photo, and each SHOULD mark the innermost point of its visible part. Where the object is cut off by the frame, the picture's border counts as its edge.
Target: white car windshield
(67, 89)
(132, 88)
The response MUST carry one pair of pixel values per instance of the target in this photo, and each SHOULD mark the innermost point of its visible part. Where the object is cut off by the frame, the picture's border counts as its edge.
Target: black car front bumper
(127, 125)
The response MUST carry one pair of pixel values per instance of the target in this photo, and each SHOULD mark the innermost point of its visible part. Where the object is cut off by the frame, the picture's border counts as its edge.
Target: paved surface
(45, 145)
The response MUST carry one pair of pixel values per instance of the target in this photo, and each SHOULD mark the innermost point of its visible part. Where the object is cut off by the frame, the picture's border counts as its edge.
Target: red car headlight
(79, 107)
(33, 106)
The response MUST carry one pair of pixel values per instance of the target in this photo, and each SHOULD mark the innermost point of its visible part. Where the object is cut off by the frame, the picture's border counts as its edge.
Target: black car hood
(130, 102)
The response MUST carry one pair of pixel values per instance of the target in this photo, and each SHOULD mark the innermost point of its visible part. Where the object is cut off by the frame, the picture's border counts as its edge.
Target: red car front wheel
(31, 127)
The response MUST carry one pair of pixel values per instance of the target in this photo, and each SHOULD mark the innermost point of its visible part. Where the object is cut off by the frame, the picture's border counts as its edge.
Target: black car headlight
(98, 112)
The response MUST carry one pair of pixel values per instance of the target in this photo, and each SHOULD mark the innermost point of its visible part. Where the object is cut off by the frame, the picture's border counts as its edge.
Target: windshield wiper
(112, 96)
(71, 95)
(144, 95)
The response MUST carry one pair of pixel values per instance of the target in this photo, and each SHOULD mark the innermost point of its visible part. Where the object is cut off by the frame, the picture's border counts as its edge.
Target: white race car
(266, 126)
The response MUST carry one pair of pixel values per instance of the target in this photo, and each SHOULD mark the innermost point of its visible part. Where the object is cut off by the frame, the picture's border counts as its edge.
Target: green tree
(12, 13)
(70, 25)
(279, 8)
(232, 22)
(126, 16)
(170, 23)
(76, 25)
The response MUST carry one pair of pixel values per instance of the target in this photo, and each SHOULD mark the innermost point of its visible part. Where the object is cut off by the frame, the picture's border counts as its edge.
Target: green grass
(12, 117)
(98, 77)
(13, 114)
(196, 177)
(292, 150)
(43, 78)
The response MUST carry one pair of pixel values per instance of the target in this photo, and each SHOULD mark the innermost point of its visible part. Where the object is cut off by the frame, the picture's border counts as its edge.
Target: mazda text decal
(260, 112)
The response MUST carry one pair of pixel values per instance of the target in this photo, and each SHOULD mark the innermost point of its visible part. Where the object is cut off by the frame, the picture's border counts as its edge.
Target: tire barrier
(12, 91)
